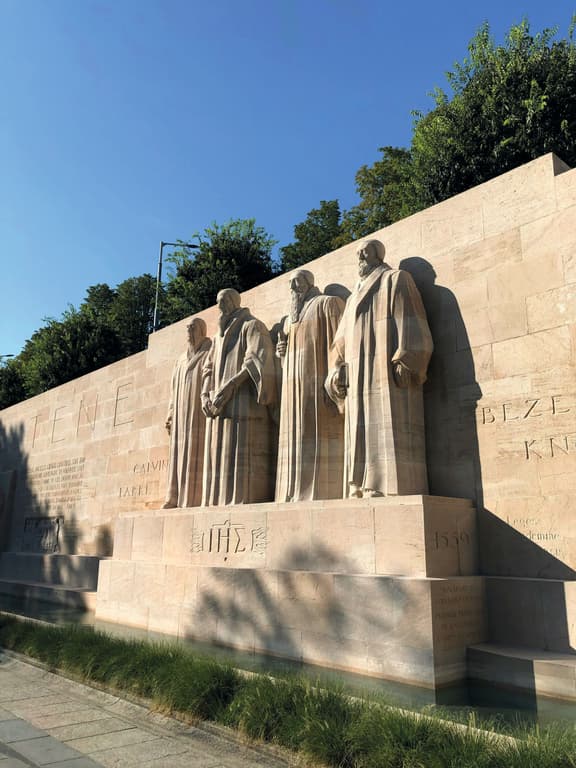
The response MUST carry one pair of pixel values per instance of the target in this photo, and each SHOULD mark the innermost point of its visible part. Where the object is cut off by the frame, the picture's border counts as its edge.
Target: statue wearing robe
(186, 422)
(238, 385)
(380, 356)
(311, 444)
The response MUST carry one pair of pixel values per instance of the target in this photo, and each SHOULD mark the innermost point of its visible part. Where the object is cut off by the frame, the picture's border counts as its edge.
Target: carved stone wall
(496, 267)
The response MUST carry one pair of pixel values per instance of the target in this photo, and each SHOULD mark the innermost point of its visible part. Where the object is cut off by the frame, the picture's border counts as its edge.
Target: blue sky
(127, 122)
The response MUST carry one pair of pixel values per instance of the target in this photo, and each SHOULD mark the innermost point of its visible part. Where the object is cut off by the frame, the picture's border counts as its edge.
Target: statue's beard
(224, 321)
(296, 305)
(364, 268)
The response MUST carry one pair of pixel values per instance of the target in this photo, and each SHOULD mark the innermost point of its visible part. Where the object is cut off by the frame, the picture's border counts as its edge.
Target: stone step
(531, 613)
(74, 597)
(78, 571)
(544, 673)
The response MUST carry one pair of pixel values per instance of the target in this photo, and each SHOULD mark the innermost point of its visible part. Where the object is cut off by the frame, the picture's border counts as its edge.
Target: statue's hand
(402, 375)
(335, 384)
(223, 395)
(206, 406)
(281, 347)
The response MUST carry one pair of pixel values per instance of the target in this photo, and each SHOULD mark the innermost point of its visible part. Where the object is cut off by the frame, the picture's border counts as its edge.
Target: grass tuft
(319, 721)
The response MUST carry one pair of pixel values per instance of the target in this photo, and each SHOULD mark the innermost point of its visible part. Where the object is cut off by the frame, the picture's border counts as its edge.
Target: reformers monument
(367, 464)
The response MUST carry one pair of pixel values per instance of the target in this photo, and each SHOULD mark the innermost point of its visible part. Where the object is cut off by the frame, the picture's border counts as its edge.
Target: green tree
(64, 349)
(11, 383)
(237, 254)
(315, 236)
(99, 302)
(388, 191)
(510, 104)
(507, 105)
(131, 313)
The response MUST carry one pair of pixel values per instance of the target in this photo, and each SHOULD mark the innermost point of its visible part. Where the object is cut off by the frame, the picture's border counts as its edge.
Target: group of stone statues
(349, 396)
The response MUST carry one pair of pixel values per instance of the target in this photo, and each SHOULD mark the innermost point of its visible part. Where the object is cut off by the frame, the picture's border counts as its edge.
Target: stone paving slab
(45, 750)
(47, 720)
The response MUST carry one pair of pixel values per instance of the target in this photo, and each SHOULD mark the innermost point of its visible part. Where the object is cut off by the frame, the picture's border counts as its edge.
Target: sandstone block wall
(496, 267)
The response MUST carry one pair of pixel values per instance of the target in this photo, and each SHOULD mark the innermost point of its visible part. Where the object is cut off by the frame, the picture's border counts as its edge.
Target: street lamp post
(159, 276)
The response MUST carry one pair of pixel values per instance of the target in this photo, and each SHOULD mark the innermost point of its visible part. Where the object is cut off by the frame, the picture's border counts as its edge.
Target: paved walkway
(47, 720)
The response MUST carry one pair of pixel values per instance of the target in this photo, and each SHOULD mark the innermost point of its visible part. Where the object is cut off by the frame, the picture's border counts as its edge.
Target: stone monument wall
(496, 267)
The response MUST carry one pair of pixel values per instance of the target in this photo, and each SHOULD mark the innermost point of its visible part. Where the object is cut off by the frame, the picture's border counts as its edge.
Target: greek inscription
(227, 538)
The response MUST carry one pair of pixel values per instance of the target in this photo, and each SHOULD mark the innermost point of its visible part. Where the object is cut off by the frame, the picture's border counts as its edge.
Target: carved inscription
(530, 408)
(448, 540)
(147, 467)
(228, 538)
(536, 411)
(42, 534)
(459, 614)
(59, 483)
(129, 491)
(535, 529)
(121, 410)
(143, 487)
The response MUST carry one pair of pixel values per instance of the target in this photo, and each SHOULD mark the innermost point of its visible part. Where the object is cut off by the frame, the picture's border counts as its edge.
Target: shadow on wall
(451, 395)
(377, 624)
(31, 525)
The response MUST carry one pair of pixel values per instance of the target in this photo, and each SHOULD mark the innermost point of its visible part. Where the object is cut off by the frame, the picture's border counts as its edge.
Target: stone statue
(380, 356)
(186, 422)
(238, 385)
(311, 445)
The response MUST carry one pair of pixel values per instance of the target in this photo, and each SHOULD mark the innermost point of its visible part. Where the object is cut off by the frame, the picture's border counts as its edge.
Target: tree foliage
(64, 349)
(316, 235)
(237, 254)
(508, 104)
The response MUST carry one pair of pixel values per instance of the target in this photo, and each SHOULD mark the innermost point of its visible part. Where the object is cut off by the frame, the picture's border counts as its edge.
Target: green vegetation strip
(323, 724)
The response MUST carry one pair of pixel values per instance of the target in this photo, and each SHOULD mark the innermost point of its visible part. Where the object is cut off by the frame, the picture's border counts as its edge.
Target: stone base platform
(69, 580)
(541, 673)
(385, 587)
(531, 613)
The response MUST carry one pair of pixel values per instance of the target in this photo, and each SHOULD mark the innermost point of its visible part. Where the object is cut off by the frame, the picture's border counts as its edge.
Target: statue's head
(228, 301)
(370, 255)
(196, 330)
(301, 281)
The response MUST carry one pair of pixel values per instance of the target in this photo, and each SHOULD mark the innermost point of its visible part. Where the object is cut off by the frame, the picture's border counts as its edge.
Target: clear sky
(127, 122)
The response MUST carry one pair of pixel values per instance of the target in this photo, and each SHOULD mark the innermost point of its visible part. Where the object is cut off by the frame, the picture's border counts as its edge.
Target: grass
(321, 723)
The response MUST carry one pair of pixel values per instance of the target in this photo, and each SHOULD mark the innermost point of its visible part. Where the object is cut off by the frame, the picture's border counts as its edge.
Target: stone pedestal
(385, 587)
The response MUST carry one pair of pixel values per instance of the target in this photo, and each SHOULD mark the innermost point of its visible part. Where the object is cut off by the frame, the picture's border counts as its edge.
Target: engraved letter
(119, 399)
(487, 416)
(555, 408)
(529, 411)
(85, 409)
(54, 420)
(528, 447)
(506, 415)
